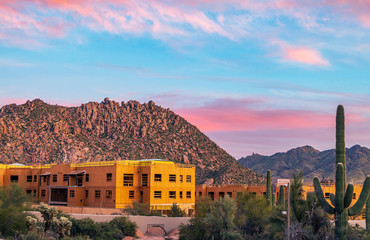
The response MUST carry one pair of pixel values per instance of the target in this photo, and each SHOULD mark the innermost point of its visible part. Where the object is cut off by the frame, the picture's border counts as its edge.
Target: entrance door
(141, 196)
(58, 196)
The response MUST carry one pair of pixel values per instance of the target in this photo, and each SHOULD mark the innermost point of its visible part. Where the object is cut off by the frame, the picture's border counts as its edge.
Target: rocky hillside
(312, 162)
(36, 132)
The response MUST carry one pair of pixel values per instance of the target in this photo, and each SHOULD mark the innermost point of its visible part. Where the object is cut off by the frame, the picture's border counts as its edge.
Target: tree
(220, 220)
(298, 204)
(176, 211)
(13, 204)
(218, 223)
(253, 215)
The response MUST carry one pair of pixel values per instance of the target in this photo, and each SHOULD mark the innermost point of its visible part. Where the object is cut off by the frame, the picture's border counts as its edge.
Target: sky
(255, 76)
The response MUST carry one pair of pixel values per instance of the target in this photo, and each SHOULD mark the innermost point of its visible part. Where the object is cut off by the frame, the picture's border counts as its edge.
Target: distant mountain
(36, 132)
(312, 162)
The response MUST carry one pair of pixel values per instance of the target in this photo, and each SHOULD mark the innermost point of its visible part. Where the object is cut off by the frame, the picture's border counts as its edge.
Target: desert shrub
(217, 223)
(253, 216)
(142, 209)
(13, 203)
(86, 227)
(117, 228)
(176, 211)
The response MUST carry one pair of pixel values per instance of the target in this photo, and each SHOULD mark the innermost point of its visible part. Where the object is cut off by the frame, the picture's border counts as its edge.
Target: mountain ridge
(312, 161)
(36, 132)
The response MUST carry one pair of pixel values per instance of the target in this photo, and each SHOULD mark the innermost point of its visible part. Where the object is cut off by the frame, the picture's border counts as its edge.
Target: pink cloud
(242, 115)
(304, 55)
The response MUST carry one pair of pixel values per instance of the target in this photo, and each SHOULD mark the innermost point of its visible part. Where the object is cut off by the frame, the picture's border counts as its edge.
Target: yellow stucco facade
(107, 184)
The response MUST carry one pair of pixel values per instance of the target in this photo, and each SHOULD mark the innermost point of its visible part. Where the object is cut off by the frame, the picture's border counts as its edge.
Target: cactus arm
(320, 196)
(332, 199)
(355, 209)
(339, 188)
(348, 196)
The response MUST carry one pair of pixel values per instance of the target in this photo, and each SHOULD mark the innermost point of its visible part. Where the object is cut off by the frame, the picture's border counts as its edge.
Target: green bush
(13, 203)
(176, 211)
(117, 228)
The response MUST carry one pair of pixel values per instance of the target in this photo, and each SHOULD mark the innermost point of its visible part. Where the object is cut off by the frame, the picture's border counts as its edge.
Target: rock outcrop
(36, 132)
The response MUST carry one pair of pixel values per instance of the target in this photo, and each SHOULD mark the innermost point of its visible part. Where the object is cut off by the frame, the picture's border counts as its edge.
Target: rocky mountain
(312, 162)
(36, 132)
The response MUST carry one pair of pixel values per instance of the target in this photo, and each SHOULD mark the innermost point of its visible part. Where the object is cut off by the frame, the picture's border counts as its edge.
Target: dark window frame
(29, 178)
(157, 177)
(14, 178)
(109, 177)
(128, 179)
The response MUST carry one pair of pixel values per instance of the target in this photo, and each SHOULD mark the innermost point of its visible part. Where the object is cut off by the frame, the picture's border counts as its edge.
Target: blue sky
(255, 76)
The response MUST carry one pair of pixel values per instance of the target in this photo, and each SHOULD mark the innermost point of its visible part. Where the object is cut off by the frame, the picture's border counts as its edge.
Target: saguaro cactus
(282, 197)
(342, 199)
(268, 188)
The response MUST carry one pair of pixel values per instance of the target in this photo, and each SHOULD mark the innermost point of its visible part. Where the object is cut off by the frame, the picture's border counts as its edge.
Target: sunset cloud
(37, 20)
(304, 55)
(240, 115)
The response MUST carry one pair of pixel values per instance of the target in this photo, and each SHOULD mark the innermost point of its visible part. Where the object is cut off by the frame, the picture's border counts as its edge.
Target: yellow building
(107, 184)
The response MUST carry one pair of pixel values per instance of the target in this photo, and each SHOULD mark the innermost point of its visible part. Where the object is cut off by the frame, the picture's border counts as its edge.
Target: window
(86, 193)
(211, 195)
(65, 178)
(230, 194)
(157, 194)
(354, 196)
(144, 179)
(71, 193)
(157, 177)
(79, 180)
(172, 194)
(109, 177)
(128, 179)
(131, 194)
(264, 194)
(14, 178)
(188, 194)
(180, 194)
(43, 193)
(172, 178)
(188, 178)
(44, 177)
(34, 193)
(221, 194)
(327, 195)
(55, 178)
(254, 194)
(181, 178)
(28, 192)
(109, 194)
(200, 194)
(87, 178)
(35, 178)
(29, 178)
(97, 193)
